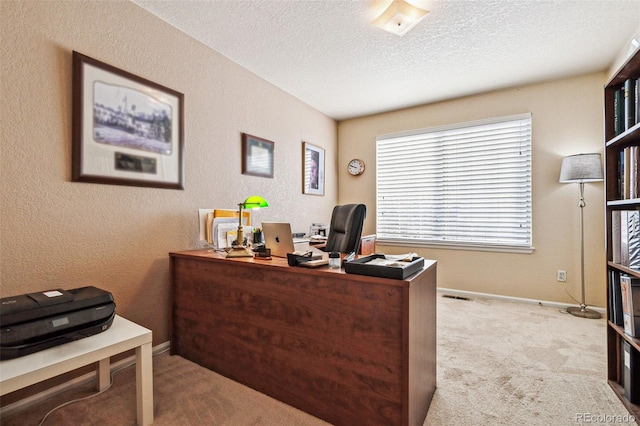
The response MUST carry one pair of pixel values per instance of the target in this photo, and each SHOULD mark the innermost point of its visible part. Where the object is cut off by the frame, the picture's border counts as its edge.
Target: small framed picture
(257, 156)
(126, 130)
(313, 169)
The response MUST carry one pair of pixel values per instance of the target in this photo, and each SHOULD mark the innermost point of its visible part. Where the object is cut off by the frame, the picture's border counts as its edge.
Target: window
(461, 186)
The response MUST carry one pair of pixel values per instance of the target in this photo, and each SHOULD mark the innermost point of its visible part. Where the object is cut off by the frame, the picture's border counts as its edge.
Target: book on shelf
(627, 179)
(626, 109)
(637, 99)
(618, 112)
(630, 376)
(633, 237)
(630, 296)
(625, 238)
(615, 299)
(629, 103)
(625, 292)
(616, 237)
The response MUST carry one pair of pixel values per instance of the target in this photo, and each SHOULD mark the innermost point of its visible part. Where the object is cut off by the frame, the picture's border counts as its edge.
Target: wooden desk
(123, 335)
(349, 349)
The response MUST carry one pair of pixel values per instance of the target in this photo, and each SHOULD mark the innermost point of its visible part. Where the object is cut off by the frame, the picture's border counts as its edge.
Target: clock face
(356, 167)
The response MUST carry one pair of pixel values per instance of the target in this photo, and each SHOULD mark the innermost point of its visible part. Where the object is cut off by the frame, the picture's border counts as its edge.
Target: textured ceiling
(327, 53)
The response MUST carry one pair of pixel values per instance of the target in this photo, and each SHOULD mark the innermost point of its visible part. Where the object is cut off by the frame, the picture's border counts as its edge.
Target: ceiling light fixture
(400, 17)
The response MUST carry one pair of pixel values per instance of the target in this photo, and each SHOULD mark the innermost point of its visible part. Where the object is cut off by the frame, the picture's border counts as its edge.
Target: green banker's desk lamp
(253, 202)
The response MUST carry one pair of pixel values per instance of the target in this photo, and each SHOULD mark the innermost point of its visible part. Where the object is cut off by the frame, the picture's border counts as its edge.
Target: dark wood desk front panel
(346, 348)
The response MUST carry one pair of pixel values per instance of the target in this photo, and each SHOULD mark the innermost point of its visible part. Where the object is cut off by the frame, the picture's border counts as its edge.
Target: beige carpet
(504, 363)
(499, 363)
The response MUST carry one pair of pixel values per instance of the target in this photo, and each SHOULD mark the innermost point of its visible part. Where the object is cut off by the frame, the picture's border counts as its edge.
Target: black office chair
(346, 228)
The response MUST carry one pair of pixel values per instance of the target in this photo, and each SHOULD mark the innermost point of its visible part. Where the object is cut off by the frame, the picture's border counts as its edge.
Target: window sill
(456, 246)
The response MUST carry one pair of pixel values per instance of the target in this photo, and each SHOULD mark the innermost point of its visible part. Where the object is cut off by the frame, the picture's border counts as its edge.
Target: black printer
(36, 321)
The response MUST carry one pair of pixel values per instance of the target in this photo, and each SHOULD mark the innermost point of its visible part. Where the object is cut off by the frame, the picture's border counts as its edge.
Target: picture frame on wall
(257, 156)
(313, 169)
(127, 130)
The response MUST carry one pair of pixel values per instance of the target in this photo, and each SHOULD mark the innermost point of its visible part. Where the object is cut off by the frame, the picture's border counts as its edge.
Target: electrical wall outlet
(562, 276)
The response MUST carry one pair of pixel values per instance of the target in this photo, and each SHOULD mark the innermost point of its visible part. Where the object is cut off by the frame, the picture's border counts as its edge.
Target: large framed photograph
(126, 130)
(257, 156)
(313, 169)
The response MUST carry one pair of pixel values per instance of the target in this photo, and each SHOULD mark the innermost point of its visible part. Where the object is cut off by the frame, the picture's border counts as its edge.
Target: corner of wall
(625, 53)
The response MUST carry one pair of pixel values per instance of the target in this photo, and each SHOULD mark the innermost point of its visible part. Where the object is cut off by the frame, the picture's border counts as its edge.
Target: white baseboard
(472, 294)
(78, 381)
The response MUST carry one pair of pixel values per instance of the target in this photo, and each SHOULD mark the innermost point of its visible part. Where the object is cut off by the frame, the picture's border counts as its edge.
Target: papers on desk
(384, 262)
(213, 231)
(393, 260)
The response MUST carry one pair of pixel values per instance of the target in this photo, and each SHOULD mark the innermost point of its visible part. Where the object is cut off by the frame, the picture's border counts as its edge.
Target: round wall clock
(356, 167)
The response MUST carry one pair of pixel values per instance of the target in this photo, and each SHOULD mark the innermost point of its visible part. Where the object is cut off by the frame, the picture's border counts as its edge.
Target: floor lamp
(581, 168)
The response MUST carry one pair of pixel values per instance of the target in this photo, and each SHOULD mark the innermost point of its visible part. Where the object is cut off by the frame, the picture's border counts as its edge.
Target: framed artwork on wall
(257, 156)
(313, 169)
(126, 130)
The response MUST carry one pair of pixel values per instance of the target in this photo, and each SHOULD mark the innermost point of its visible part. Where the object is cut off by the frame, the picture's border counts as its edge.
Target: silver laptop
(278, 238)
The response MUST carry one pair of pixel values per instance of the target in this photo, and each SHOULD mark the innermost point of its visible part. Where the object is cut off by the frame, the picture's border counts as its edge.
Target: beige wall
(55, 233)
(567, 119)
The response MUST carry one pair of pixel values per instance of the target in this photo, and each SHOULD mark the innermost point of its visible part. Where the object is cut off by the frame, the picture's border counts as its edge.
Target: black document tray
(361, 267)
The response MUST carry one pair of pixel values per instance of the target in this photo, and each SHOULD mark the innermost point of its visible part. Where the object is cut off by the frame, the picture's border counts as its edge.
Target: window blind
(465, 185)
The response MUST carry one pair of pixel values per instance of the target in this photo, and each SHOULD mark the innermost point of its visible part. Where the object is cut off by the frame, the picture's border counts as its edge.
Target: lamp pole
(582, 310)
(240, 233)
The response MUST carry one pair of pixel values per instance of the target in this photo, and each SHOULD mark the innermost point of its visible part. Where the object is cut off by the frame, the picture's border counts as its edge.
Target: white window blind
(466, 185)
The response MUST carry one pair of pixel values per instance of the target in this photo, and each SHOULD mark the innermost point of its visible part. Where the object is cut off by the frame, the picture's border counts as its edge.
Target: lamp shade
(581, 168)
(255, 202)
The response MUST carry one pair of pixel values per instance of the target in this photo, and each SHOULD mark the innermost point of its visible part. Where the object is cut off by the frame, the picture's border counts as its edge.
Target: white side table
(120, 337)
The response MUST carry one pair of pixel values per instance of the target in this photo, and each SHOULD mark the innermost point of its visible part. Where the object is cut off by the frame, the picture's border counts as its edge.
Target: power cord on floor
(95, 394)
(76, 400)
(564, 311)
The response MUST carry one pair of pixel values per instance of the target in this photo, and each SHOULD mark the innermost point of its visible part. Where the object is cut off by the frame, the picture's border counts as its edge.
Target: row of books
(625, 238)
(626, 112)
(628, 167)
(624, 302)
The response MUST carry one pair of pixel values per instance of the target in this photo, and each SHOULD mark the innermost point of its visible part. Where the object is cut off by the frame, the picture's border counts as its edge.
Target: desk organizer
(360, 266)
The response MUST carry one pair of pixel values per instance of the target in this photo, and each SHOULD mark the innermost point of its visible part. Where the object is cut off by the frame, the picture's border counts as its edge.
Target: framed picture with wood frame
(257, 156)
(126, 130)
(313, 169)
